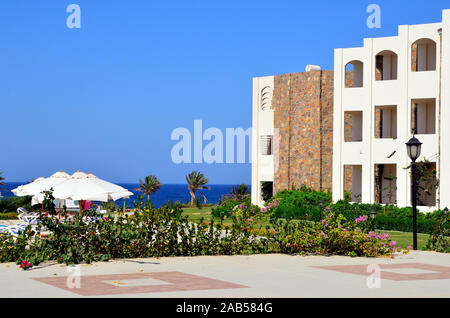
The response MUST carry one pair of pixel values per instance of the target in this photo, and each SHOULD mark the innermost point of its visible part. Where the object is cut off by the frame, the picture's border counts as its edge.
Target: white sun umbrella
(20, 190)
(88, 187)
(36, 189)
(40, 185)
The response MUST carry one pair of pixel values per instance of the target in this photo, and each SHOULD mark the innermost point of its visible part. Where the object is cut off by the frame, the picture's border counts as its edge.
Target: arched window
(423, 55)
(386, 66)
(266, 98)
(354, 74)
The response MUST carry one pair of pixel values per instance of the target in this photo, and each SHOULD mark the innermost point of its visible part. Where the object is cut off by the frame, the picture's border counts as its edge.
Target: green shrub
(440, 239)
(147, 233)
(8, 216)
(225, 208)
(166, 232)
(304, 203)
(389, 217)
(11, 204)
(333, 235)
(308, 204)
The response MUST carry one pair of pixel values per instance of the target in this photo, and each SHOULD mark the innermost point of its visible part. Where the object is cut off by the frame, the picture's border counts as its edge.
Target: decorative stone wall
(348, 125)
(303, 115)
(379, 68)
(348, 176)
(378, 122)
(414, 57)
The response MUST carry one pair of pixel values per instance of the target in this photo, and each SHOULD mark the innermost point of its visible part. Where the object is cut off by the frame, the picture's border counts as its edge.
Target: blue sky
(105, 98)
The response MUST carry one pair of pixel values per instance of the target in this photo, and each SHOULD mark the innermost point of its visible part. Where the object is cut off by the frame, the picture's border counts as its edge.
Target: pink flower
(25, 264)
(361, 219)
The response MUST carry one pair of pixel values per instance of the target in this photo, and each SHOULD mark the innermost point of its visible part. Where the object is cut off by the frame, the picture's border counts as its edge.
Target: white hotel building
(399, 84)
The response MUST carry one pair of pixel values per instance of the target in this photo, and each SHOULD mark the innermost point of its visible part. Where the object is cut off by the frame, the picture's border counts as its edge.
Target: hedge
(11, 204)
(308, 204)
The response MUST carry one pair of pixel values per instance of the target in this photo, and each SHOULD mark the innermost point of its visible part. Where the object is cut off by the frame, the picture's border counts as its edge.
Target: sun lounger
(26, 216)
(16, 230)
(3, 229)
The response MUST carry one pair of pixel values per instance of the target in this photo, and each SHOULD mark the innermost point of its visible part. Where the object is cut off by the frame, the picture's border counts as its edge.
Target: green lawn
(403, 239)
(195, 215)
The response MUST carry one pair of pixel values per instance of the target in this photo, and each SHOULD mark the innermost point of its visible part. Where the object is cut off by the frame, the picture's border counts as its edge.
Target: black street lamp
(373, 215)
(414, 147)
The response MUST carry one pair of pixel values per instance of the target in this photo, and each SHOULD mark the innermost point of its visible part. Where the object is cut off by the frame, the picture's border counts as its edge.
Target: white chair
(26, 216)
(101, 210)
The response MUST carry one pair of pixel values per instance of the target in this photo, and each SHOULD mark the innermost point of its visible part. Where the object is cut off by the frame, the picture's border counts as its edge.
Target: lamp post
(373, 215)
(414, 147)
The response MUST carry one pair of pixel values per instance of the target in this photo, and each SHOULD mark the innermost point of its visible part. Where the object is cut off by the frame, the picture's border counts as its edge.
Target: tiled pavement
(398, 272)
(418, 274)
(120, 284)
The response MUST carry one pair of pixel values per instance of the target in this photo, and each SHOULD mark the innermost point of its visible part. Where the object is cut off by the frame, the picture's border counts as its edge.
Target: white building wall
(263, 124)
(408, 86)
(445, 113)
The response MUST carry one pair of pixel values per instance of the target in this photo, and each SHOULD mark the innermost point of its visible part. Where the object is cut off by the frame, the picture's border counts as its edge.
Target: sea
(168, 192)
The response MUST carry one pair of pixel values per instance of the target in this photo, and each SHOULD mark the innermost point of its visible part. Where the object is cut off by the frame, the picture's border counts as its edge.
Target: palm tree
(196, 181)
(239, 192)
(149, 186)
(2, 184)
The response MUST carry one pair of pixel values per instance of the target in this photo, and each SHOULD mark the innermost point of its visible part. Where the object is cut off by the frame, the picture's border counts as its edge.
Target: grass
(403, 239)
(8, 216)
(195, 215)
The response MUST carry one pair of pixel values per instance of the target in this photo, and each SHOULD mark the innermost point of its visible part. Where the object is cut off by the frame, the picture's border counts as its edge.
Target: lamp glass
(414, 148)
(414, 152)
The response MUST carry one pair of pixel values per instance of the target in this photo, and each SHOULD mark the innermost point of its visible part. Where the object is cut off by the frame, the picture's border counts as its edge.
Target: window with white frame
(266, 145)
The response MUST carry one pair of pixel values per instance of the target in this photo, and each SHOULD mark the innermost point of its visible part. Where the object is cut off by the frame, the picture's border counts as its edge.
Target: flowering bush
(249, 214)
(439, 240)
(12, 248)
(226, 208)
(332, 236)
(270, 206)
(146, 233)
(362, 219)
(25, 265)
(242, 213)
(166, 232)
(308, 204)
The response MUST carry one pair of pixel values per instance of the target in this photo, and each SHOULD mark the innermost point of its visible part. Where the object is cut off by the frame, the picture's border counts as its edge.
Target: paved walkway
(418, 274)
(9, 222)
